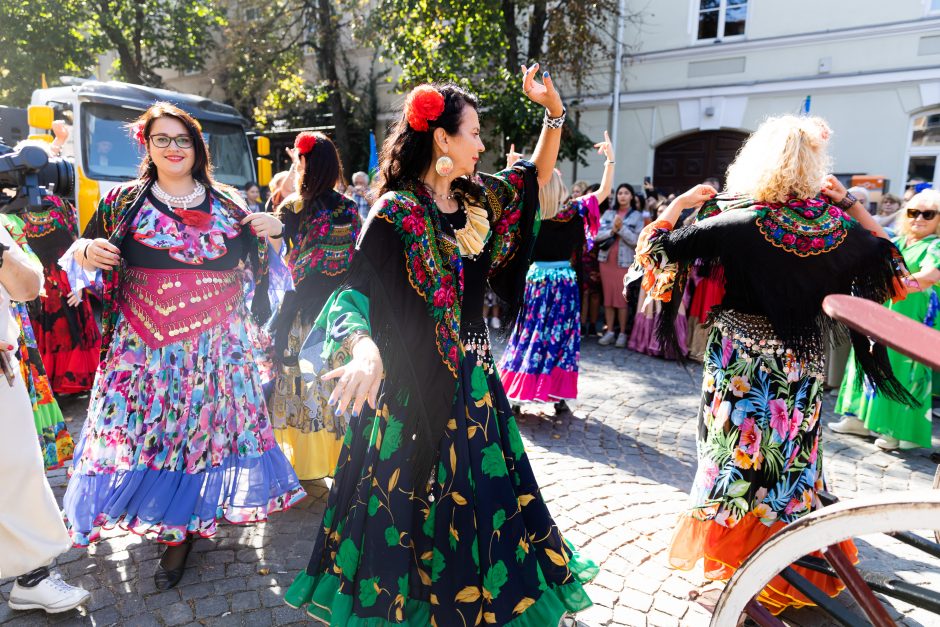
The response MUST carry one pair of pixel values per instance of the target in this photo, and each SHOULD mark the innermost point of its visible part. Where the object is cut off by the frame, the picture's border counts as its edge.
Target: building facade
(704, 73)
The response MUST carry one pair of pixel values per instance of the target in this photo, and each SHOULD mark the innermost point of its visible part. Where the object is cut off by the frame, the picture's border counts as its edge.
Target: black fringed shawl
(780, 261)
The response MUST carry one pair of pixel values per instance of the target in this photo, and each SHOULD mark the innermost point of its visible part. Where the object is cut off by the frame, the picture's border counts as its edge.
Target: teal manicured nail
(545, 74)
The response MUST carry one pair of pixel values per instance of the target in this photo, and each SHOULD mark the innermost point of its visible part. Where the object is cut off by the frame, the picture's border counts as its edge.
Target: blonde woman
(541, 359)
(787, 235)
(869, 413)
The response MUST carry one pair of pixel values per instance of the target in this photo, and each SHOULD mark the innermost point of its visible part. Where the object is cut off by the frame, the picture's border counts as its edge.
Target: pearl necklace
(178, 201)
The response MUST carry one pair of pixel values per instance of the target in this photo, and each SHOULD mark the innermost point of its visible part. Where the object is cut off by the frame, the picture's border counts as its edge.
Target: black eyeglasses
(926, 214)
(162, 141)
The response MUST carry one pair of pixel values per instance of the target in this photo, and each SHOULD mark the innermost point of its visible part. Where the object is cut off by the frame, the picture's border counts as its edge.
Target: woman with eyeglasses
(866, 411)
(177, 436)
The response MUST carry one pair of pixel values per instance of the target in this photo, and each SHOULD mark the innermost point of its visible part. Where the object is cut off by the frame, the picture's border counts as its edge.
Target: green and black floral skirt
(481, 549)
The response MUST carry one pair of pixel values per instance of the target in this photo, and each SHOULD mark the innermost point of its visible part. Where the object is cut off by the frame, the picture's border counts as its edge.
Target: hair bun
(424, 104)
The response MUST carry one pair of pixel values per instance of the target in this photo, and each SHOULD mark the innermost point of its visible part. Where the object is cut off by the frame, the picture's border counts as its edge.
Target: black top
(139, 254)
(557, 241)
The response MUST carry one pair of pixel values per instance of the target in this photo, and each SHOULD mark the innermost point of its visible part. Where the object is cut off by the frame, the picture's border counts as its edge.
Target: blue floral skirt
(541, 359)
(482, 548)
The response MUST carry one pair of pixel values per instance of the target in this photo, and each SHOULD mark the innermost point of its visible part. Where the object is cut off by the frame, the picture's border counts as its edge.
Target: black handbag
(605, 243)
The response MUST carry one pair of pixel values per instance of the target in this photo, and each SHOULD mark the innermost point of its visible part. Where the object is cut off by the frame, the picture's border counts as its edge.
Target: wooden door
(688, 160)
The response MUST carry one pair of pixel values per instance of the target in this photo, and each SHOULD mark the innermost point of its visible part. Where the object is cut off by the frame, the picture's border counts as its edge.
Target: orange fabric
(725, 549)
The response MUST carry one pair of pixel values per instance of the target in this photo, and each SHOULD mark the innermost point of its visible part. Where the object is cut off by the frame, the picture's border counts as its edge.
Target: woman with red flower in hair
(177, 435)
(320, 230)
(435, 516)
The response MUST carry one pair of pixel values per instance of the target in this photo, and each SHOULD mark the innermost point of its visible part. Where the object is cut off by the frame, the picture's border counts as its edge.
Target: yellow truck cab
(101, 146)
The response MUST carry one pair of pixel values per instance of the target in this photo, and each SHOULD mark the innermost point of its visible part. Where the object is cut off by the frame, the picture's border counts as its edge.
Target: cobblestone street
(615, 476)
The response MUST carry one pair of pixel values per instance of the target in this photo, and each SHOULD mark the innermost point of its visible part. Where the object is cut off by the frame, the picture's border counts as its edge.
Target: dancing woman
(785, 240)
(321, 227)
(435, 516)
(540, 362)
(177, 435)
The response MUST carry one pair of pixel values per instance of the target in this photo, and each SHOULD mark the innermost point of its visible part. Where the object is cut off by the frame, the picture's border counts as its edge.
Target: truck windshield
(110, 154)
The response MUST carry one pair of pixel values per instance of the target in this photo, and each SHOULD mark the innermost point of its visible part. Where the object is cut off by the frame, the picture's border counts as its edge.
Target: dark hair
(251, 184)
(202, 166)
(322, 170)
(634, 200)
(406, 153)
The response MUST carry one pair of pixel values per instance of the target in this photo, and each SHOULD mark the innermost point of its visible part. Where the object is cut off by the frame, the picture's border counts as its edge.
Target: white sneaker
(887, 443)
(496, 323)
(607, 339)
(850, 425)
(51, 594)
(621, 341)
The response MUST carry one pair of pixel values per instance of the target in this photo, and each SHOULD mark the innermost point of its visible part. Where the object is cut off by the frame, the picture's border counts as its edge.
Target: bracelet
(846, 203)
(550, 122)
(350, 341)
(278, 236)
(85, 251)
(609, 162)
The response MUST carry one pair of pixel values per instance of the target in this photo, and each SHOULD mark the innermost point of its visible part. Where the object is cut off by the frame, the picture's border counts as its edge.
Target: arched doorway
(688, 160)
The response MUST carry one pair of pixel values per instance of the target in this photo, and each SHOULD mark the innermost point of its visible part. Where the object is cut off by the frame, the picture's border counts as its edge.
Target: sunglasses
(926, 214)
(162, 141)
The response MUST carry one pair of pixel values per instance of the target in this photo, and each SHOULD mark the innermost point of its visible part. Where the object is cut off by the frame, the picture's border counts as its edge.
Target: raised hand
(605, 147)
(512, 156)
(543, 93)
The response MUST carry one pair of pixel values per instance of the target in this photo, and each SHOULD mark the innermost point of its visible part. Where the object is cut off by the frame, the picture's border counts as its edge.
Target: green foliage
(43, 37)
(494, 464)
(66, 36)
(496, 577)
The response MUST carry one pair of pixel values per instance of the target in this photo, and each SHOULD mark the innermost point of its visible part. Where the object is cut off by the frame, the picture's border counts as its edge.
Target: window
(925, 148)
(933, 6)
(723, 19)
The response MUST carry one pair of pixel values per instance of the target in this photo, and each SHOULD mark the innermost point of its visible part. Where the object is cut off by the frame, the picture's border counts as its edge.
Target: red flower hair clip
(424, 104)
(305, 142)
(137, 130)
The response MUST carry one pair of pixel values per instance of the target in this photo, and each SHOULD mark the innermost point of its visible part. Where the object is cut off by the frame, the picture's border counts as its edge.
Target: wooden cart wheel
(882, 513)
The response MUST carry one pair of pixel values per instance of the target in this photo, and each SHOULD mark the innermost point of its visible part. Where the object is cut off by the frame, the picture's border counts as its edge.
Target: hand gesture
(100, 253)
(696, 196)
(543, 93)
(359, 380)
(74, 298)
(605, 147)
(293, 154)
(834, 189)
(264, 224)
(512, 156)
(618, 222)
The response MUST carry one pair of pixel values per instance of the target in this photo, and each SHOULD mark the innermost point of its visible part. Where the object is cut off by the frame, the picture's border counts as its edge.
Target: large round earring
(444, 165)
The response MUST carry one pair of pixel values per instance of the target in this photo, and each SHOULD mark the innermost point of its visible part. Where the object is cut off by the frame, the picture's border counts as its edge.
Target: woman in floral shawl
(177, 435)
(321, 226)
(435, 517)
(786, 236)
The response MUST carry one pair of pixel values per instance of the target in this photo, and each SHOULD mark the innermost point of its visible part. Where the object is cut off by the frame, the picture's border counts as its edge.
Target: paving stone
(176, 614)
(245, 601)
(211, 606)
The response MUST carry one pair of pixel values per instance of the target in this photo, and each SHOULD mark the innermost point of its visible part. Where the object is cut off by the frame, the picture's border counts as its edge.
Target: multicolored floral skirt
(759, 461)
(541, 359)
(481, 548)
(178, 438)
(306, 428)
(54, 439)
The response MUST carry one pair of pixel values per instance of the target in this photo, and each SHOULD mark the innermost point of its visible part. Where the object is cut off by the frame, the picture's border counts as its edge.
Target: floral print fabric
(540, 362)
(759, 425)
(482, 548)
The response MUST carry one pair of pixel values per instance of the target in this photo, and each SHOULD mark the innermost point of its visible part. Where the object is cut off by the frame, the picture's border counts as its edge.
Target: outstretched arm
(605, 148)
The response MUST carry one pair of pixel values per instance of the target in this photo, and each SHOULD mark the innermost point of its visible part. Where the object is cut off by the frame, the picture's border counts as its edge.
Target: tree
(66, 36)
(479, 44)
(42, 37)
(152, 34)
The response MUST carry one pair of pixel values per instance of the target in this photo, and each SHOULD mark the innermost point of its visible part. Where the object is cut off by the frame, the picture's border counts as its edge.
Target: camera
(34, 175)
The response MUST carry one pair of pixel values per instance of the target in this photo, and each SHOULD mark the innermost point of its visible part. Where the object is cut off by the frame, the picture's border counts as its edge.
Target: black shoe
(561, 407)
(166, 578)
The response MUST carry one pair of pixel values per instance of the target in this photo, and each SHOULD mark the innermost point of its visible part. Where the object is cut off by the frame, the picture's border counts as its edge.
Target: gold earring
(444, 165)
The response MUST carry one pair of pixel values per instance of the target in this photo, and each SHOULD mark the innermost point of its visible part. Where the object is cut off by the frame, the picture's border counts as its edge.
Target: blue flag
(373, 156)
(806, 105)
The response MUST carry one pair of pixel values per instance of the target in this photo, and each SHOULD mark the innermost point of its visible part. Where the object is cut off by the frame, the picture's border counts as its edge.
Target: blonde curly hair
(785, 157)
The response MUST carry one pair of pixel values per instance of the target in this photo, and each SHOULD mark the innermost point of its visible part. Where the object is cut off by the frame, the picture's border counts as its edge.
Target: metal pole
(618, 70)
